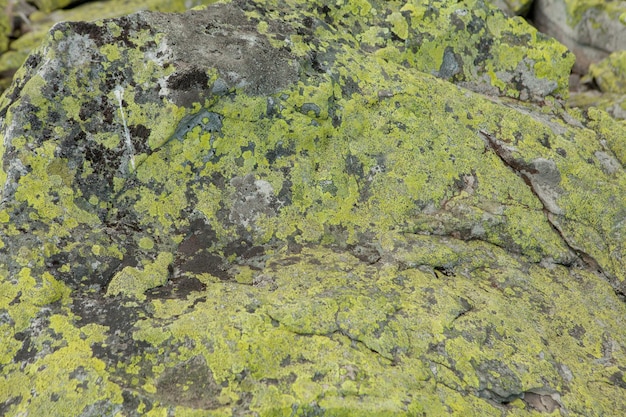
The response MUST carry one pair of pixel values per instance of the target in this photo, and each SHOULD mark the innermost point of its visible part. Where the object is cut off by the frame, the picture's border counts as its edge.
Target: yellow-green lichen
(578, 9)
(134, 281)
(351, 244)
(609, 73)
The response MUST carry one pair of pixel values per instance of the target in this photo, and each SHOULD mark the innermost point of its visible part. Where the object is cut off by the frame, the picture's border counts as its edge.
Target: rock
(514, 7)
(613, 104)
(33, 24)
(610, 74)
(590, 29)
(5, 25)
(298, 208)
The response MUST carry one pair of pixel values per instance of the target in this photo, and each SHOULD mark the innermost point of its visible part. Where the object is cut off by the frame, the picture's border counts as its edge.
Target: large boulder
(308, 208)
(592, 29)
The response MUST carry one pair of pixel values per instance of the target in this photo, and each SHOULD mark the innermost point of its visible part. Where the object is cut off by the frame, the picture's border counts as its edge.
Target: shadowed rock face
(301, 209)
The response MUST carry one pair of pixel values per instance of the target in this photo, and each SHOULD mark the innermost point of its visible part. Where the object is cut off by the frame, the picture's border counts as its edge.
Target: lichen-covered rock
(275, 208)
(35, 24)
(592, 29)
(613, 104)
(470, 43)
(610, 74)
(514, 7)
(5, 25)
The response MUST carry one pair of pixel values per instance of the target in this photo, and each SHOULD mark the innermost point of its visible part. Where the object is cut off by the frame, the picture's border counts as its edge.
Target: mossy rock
(275, 208)
(5, 26)
(591, 29)
(610, 73)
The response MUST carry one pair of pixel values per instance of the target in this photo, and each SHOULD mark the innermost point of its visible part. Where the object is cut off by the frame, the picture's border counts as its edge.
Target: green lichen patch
(609, 73)
(578, 10)
(51, 12)
(469, 43)
(337, 233)
(5, 25)
(135, 282)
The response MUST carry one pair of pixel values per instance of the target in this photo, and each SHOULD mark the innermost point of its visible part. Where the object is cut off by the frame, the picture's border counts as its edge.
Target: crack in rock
(542, 177)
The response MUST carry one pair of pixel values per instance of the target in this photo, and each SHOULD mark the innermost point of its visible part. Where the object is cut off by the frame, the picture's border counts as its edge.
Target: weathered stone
(591, 29)
(610, 74)
(5, 25)
(514, 7)
(35, 24)
(275, 208)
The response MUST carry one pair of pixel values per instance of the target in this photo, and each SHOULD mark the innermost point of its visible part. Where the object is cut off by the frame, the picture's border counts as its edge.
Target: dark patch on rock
(484, 50)
(497, 381)
(94, 32)
(354, 166)
(198, 253)
(349, 87)
(141, 132)
(231, 44)
(32, 348)
(619, 379)
(27, 352)
(189, 84)
(476, 24)
(176, 288)
(278, 151)
(451, 65)
(112, 313)
(308, 108)
(365, 253)
(190, 384)
(8, 403)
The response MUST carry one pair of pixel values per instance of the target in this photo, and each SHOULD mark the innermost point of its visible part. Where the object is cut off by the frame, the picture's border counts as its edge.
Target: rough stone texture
(592, 29)
(613, 104)
(514, 7)
(609, 75)
(275, 208)
(33, 24)
(5, 25)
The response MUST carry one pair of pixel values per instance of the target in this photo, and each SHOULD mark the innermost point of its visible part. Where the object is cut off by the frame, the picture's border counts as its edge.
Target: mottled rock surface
(592, 29)
(609, 76)
(514, 7)
(309, 208)
(24, 26)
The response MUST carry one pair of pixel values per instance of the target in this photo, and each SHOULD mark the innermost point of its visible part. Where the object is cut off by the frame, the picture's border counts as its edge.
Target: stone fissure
(525, 172)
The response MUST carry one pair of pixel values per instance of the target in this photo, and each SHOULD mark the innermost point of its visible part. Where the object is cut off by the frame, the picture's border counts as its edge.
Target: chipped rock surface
(309, 208)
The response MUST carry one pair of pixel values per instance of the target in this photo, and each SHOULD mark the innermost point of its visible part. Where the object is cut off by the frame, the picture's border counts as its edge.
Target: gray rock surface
(591, 29)
(308, 208)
